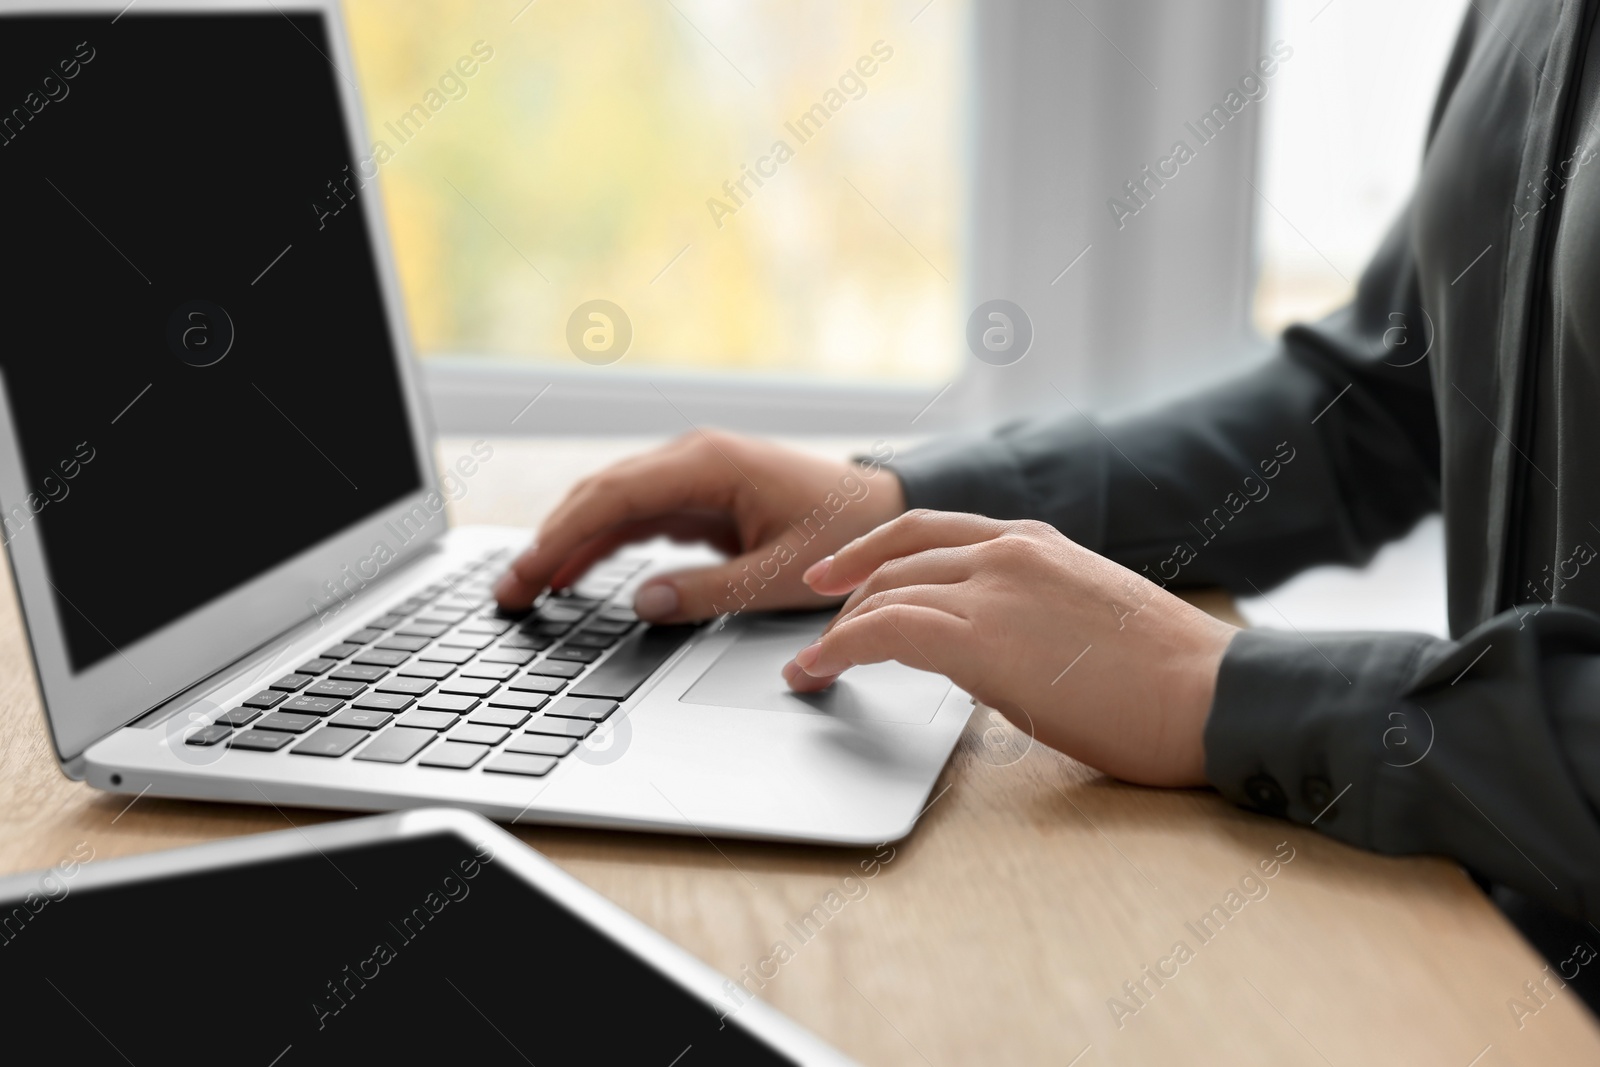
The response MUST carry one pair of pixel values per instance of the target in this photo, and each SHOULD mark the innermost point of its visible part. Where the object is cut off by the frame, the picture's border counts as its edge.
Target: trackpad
(747, 675)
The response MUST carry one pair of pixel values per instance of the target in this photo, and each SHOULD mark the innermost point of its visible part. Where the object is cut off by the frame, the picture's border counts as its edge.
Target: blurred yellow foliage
(579, 160)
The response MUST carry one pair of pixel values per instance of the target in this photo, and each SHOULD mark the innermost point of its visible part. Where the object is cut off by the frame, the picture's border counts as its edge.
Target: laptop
(435, 937)
(219, 500)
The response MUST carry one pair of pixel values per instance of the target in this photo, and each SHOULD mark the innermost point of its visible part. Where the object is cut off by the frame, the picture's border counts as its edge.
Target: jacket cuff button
(1266, 794)
(1318, 794)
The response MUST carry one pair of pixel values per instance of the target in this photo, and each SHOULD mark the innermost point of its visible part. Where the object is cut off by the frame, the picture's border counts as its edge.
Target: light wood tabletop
(1004, 928)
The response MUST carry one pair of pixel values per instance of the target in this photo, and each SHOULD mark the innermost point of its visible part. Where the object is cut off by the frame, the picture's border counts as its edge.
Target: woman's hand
(1091, 658)
(771, 509)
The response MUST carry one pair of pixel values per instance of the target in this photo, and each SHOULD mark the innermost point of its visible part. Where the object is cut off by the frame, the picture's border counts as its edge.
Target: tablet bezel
(651, 947)
(82, 707)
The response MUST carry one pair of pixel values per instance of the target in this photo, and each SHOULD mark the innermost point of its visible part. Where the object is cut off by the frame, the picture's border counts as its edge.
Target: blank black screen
(159, 183)
(235, 966)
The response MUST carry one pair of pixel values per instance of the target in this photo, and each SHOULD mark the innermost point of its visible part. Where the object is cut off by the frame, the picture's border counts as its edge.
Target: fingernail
(507, 585)
(807, 657)
(655, 601)
(817, 571)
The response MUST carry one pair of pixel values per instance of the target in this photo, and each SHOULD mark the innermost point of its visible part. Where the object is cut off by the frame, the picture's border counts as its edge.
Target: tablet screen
(423, 950)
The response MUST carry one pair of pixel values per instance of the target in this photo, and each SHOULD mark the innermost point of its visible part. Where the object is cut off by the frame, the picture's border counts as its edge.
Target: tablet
(420, 937)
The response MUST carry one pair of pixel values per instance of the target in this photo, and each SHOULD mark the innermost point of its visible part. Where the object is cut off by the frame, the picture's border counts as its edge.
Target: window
(773, 186)
(1343, 142)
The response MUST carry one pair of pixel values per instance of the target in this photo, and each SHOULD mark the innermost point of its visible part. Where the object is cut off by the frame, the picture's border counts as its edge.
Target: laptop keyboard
(447, 680)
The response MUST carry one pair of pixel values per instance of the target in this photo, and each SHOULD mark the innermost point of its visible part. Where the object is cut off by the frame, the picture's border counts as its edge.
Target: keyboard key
(474, 687)
(548, 629)
(330, 741)
(381, 657)
(427, 720)
(520, 656)
(331, 688)
(575, 655)
(514, 763)
(455, 703)
(448, 655)
(289, 683)
(467, 640)
(264, 699)
(570, 599)
(239, 716)
(554, 612)
(509, 717)
(540, 745)
(316, 666)
(498, 671)
(635, 659)
(357, 719)
(486, 626)
(260, 740)
(361, 637)
(582, 708)
(556, 669)
(404, 644)
(537, 683)
(214, 734)
(577, 729)
(457, 757)
(514, 699)
(444, 615)
(606, 626)
(422, 669)
(340, 651)
(396, 746)
(618, 614)
(305, 704)
(414, 686)
(388, 622)
(590, 640)
(287, 721)
(423, 629)
(355, 672)
(533, 641)
(479, 735)
(384, 702)
(407, 607)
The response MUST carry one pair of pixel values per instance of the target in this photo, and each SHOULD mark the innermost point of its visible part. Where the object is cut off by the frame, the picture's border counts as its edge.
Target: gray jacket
(1464, 376)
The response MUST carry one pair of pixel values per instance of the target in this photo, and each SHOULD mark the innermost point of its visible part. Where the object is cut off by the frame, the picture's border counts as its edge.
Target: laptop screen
(201, 372)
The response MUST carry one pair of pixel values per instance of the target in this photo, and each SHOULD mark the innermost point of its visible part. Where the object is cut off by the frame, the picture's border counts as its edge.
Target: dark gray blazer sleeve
(1321, 455)
(1486, 750)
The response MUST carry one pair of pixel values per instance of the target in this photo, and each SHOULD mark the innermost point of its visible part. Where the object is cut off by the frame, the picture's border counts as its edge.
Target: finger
(951, 597)
(801, 682)
(754, 581)
(936, 566)
(915, 531)
(513, 594)
(947, 598)
(672, 453)
(671, 480)
(914, 634)
(706, 527)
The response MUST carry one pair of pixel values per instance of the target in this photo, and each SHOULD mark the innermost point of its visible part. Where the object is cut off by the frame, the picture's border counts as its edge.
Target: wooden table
(1032, 890)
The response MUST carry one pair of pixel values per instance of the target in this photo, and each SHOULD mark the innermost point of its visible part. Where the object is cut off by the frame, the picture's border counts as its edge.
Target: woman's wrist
(1191, 689)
